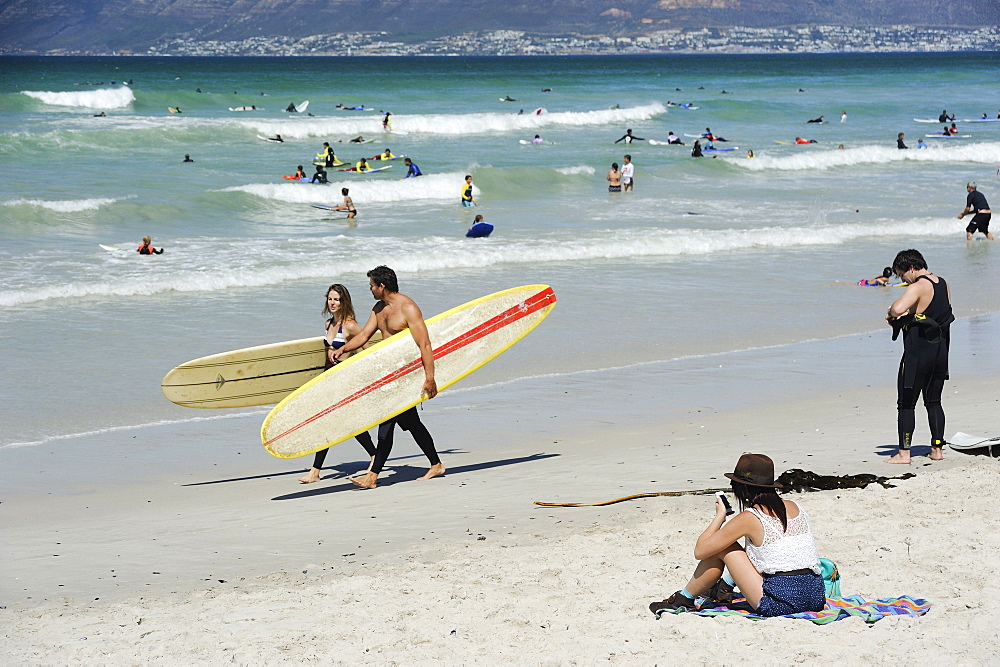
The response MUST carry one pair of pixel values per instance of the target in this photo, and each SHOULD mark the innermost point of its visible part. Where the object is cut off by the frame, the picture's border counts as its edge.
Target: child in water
(878, 281)
(147, 248)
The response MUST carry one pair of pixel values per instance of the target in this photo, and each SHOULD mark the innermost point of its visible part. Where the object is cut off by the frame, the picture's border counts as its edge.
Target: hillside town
(737, 39)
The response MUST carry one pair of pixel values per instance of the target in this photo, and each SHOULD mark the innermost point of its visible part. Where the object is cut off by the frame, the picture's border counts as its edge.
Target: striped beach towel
(836, 609)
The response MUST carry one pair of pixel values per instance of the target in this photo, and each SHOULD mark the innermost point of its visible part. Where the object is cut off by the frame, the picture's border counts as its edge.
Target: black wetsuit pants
(930, 385)
(408, 421)
(363, 438)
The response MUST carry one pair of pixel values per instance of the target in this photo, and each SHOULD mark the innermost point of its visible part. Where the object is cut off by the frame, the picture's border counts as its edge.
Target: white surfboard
(965, 442)
(110, 249)
(947, 136)
(383, 381)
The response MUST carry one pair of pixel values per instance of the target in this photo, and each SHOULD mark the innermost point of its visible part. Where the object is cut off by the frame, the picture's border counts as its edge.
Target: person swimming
(878, 281)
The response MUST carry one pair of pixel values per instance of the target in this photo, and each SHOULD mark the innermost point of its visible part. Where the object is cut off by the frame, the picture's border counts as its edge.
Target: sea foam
(812, 159)
(432, 186)
(102, 98)
(65, 206)
(263, 263)
(451, 124)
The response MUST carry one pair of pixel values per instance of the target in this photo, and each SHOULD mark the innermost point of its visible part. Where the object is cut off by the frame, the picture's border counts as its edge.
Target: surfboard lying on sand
(383, 381)
(964, 442)
(260, 375)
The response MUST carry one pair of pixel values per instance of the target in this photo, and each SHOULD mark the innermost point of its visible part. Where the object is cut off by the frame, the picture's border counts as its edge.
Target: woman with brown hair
(340, 328)
(777, 570)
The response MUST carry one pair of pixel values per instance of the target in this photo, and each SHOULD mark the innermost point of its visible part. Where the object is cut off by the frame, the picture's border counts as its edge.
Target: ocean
(708, 262)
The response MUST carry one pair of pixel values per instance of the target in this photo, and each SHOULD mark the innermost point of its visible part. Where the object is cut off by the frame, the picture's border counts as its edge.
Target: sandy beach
(465, 568)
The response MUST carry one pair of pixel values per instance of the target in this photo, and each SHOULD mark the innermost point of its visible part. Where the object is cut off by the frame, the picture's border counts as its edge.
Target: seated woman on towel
(778, 568)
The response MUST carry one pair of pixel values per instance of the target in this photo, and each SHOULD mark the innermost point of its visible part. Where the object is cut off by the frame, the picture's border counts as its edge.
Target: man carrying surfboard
(395, 312)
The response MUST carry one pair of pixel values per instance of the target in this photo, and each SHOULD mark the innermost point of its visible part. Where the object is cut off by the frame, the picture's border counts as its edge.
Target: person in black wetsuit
(899, 141)
(628, 137)
(147, 247)
(395, 312)
(340, 328)
(977, 205)
(923, 314)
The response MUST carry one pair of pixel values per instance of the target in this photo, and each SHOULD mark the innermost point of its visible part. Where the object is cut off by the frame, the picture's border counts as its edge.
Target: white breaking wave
(812, 159)
(132, 427)
(264, 263)
(579, 169)
(449, 124)
(102, 98)
(431, 186)
(65, 206)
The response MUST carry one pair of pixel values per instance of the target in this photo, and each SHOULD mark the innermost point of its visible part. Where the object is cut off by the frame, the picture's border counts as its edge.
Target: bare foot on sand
(310, 477)
(899, 458)
(367, 481)
(937, 454)
(435, 470)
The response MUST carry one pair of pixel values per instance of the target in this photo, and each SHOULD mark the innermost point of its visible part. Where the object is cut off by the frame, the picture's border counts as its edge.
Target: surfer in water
(976, 204)
(147, 247)
(899, 141)
(340, 328)
(411, 168)
(320, 175)
(628, 137)
(387, 121)
(187, 157)
(877, 281)
(467, 198)
(348, 205)
(291, 108)
(395, 312)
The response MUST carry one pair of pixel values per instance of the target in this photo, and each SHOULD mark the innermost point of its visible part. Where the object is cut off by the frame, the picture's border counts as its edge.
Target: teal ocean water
(707, 257)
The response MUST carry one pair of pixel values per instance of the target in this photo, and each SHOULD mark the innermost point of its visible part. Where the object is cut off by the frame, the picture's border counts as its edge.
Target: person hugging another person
(777, 570)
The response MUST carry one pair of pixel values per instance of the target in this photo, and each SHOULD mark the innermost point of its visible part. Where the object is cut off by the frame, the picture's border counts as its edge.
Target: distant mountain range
(102, 26)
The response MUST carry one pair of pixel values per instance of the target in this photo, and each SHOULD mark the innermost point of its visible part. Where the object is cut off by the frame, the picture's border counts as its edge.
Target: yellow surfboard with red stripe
(381, 382)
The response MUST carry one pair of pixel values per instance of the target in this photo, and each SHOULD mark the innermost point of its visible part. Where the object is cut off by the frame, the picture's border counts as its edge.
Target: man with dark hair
(977, 205)
(923, 313)
(394, 312)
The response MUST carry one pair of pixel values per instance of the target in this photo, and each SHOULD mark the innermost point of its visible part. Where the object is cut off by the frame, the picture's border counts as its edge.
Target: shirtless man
(395, 312)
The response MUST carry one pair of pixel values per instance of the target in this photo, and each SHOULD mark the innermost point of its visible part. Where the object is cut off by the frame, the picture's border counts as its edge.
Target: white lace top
(793, 549)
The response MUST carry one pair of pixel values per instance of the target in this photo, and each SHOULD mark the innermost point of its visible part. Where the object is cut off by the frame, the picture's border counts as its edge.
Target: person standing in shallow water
(976, 204)
(614, 178)
(340, 328)
(395, 312)
(923, 314)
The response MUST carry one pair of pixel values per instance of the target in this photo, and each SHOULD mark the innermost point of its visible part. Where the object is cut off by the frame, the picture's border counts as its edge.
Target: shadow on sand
(340, 470)
(407, 473)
